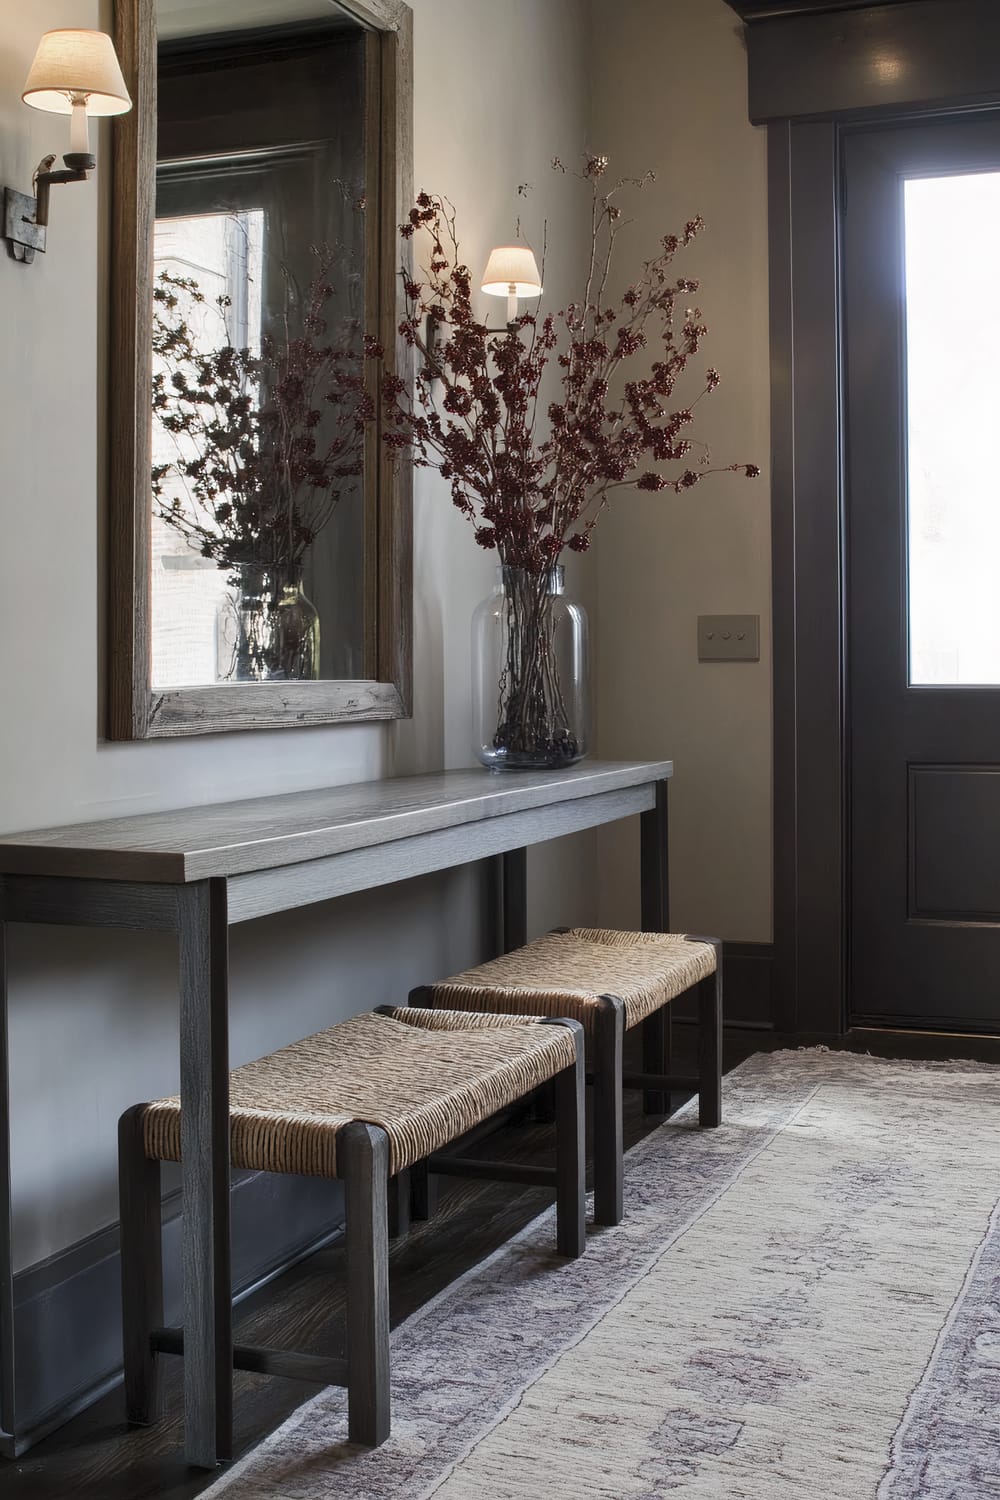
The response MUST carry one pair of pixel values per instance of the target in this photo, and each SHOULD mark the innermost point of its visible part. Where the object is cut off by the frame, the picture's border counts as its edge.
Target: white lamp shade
(81, 63)
(512, 266)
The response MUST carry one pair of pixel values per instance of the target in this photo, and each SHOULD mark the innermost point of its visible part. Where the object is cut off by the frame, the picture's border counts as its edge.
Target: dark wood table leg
(204, 1030)
(512, 879)
(8, 1427)
(655, 887)
(514, 900)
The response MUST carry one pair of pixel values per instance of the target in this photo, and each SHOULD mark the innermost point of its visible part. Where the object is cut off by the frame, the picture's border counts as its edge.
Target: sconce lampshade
(512, 267)
(80, 63)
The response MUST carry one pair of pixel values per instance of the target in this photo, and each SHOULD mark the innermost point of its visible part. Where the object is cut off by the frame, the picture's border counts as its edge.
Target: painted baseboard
(747, 988)
(67, 1313)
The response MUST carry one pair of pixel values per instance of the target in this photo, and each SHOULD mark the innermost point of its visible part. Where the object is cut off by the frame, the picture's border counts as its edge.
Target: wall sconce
(74, 73)
(512, 272)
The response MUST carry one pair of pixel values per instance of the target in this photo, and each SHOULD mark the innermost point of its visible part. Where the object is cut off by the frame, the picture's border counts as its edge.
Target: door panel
(922, 382)
(954, 866)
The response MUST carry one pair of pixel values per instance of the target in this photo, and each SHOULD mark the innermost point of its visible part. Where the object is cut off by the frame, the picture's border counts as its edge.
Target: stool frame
(363, 1167)
(608, 1078)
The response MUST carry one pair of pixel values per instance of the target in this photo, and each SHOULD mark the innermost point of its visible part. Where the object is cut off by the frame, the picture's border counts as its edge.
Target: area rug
(804, 1303)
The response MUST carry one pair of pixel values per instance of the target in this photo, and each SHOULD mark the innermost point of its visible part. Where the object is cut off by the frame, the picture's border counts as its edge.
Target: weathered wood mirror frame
(136, 712)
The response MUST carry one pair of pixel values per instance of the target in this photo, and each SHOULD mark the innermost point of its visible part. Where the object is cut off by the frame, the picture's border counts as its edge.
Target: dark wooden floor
(97, 1457)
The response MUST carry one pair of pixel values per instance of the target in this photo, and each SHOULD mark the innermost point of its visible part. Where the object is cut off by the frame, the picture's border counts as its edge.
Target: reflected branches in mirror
(263, 441)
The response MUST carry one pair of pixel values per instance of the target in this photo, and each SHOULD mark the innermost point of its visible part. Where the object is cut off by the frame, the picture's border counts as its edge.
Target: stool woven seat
(424, 1077)
(564, 973)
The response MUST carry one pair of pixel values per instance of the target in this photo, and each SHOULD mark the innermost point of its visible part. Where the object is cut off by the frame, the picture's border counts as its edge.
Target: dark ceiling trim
(762, 10)
(894, 58)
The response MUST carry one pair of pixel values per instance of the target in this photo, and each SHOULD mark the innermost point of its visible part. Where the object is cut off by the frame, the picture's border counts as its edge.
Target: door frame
(832, 58)
(808, 581)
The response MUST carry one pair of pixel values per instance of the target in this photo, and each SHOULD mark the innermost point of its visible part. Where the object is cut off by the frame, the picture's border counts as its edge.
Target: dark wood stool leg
(423, 1191)
(710, 1044)
(609, 1032)
(709, 1037)
(141, 1266)
(363, 1162)
(656, 1058)
(400, 1209)
(571, 1149)
(544, 1106)
(710, 1050)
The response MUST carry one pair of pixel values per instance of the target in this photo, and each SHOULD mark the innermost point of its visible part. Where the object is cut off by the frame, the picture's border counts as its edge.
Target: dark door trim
(811, 746)
(813, 59)
(808, 592)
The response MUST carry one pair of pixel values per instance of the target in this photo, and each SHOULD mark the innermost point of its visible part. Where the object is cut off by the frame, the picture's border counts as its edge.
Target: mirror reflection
(261, 515)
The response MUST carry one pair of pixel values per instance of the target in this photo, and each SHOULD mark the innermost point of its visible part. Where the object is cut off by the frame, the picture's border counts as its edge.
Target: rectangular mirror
(260, 539)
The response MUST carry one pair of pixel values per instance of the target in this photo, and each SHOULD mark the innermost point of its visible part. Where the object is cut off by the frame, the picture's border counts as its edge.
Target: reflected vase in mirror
(267, 630)
(530, 673)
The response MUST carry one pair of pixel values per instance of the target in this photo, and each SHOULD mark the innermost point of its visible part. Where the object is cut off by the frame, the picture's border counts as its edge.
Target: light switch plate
(729, 637)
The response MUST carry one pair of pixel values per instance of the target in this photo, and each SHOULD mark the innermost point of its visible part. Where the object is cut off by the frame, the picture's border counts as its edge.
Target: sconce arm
(432, 339)
(78, 165)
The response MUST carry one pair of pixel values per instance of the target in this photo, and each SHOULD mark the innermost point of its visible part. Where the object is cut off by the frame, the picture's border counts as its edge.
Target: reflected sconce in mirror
(74, 73)
(512, 272)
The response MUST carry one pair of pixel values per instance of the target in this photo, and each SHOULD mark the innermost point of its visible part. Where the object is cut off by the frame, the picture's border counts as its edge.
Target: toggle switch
(729, 637)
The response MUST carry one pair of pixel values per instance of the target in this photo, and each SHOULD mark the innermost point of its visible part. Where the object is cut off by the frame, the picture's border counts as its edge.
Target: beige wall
(669, 92)
(93, 1016)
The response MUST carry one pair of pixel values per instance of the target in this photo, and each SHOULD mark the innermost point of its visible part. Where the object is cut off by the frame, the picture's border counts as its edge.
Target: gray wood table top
(264, 833)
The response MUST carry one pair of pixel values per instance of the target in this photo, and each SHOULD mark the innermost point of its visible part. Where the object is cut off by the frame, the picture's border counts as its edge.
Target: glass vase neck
(269, 578)
(551, 580)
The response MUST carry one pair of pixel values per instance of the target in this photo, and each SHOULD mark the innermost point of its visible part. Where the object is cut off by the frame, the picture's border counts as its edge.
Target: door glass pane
(952, 237)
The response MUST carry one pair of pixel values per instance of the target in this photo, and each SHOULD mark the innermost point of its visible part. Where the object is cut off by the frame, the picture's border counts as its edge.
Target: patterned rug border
(737, 1082)
(914, 1413)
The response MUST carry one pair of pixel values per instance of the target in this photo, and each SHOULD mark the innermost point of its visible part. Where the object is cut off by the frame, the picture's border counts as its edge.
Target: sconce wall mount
(21, 230)
(26, 218)
(74, 73)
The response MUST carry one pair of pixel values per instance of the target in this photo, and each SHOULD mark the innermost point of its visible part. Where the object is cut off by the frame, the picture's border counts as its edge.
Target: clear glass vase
(267, 630)
(530, 673)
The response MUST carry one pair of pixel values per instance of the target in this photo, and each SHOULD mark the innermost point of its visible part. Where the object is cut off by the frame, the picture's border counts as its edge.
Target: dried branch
(473, 412)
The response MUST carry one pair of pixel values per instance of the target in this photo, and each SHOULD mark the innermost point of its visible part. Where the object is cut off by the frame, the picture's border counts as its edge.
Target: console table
(197, 872)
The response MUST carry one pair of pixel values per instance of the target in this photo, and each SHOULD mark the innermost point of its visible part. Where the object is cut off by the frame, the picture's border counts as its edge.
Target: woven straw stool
(359, 1102)
(610, 982)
